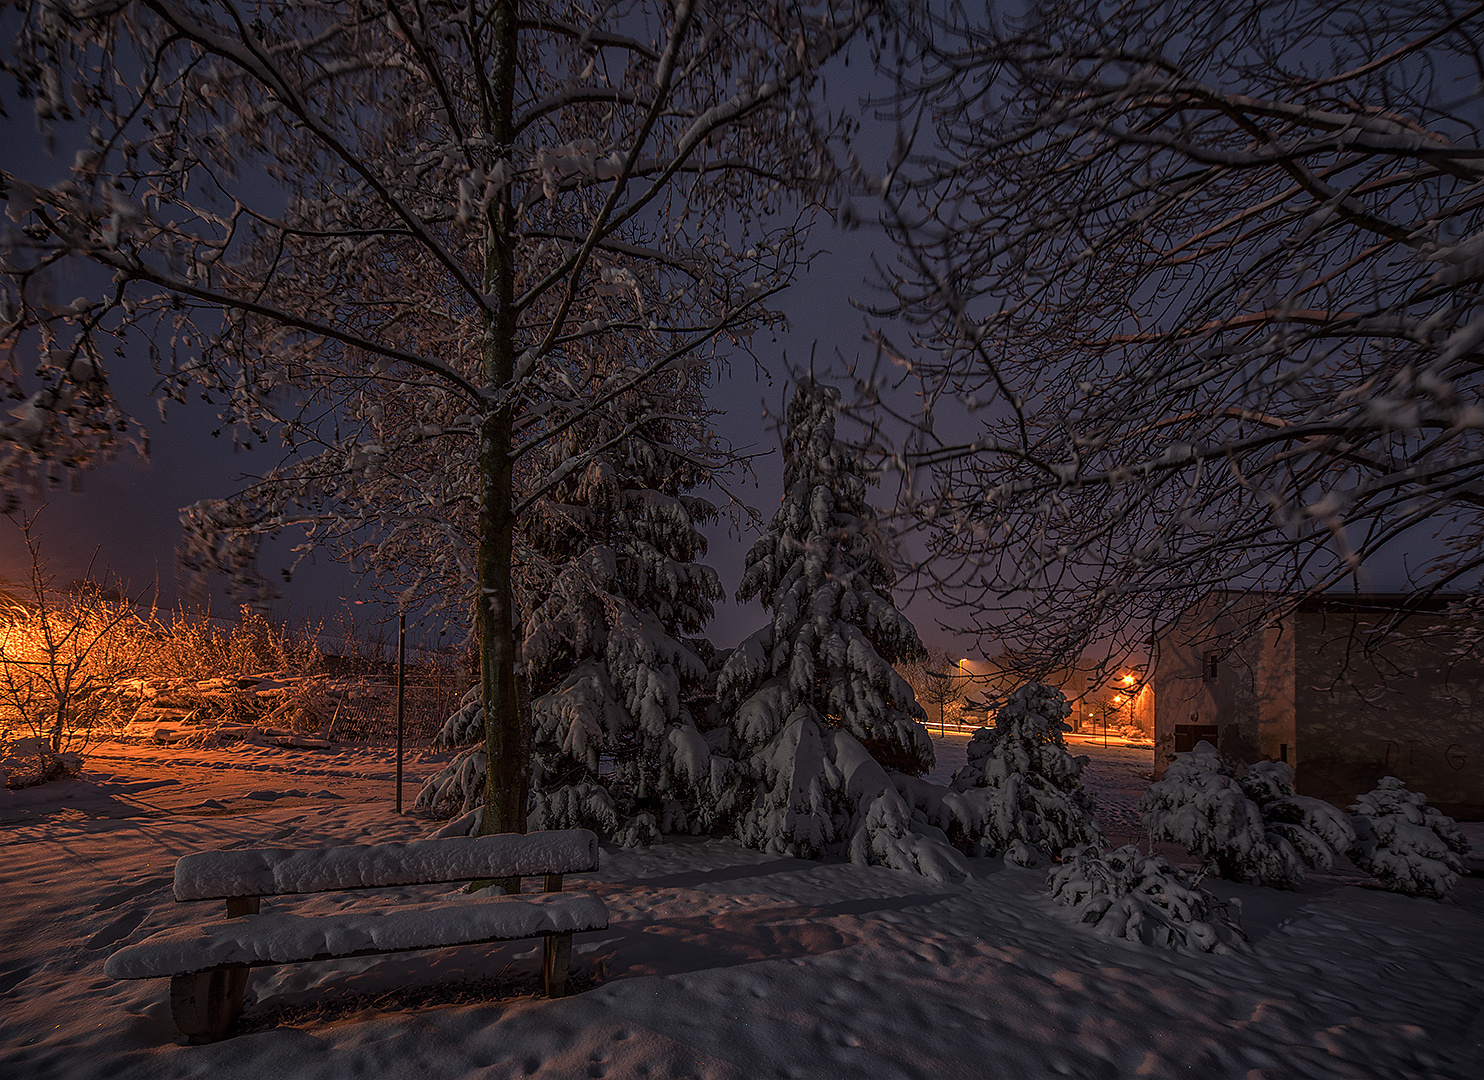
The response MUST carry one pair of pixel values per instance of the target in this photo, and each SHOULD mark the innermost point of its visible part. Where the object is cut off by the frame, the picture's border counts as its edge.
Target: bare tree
(395, 237)
(938, 683)
(1191, 298)
(62, 654)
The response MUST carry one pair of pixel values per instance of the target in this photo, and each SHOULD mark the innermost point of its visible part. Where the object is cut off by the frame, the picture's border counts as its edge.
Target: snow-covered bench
(207, 964)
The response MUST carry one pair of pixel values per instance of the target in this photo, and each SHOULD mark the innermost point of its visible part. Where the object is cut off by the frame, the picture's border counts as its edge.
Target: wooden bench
(207, 964)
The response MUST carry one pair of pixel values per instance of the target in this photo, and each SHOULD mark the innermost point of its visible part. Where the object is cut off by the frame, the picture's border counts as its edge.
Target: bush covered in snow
(1025, 783)
(1408, 846)
(1020, 790)
(1137, 897)
(28, 761)
(1316, 831)
(1256, 829)
(819, 718)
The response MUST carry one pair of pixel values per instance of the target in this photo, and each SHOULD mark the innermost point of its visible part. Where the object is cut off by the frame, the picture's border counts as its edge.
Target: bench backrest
(216, 875)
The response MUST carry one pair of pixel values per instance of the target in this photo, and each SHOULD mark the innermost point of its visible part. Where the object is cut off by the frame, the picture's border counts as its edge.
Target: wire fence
(369, 713)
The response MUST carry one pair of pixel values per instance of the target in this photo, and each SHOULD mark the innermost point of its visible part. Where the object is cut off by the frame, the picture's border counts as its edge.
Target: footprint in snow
(110, 901)
(116, 930)
(11, 977)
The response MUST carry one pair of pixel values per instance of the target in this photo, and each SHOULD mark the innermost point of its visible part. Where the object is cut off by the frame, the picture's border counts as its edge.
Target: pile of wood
(275, 708)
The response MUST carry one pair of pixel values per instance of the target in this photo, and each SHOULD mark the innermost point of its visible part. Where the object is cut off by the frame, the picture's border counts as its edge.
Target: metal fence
(369, 714)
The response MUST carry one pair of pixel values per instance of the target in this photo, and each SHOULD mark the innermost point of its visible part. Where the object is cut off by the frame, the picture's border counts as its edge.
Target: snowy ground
(719, 962)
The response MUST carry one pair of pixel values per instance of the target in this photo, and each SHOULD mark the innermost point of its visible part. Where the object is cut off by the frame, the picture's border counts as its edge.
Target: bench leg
(205, 1003)
(556, 958)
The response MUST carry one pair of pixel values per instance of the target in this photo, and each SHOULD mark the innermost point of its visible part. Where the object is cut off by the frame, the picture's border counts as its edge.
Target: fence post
(401, 689)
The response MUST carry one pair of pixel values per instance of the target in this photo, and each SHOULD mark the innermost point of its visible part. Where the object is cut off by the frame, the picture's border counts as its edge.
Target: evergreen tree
(613, 592)
(817, 712)
(1020, 789)
(1408, 846)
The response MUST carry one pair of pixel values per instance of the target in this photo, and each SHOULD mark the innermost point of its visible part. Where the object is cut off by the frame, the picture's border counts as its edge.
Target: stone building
(1314, 690)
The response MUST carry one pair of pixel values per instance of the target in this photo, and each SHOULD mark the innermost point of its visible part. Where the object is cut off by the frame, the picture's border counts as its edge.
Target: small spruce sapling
(1199, 804)
(1137, 897)
(1020, 789)
(1256, 829)
(1408, 846)
(1316, 831)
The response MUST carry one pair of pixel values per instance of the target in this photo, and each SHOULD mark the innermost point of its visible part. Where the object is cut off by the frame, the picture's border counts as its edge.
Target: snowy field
(719, 962)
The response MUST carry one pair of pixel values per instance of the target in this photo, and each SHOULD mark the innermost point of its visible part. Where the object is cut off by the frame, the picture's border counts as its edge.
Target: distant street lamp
(942, 693)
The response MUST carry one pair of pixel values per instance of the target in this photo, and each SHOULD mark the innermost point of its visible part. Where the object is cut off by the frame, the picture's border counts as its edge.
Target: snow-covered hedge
(1256, 829)
(1408, 846)
(1137, 897)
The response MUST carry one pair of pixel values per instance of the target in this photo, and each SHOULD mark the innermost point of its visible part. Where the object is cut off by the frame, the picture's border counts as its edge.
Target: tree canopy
(391, 241)
(1190, 297)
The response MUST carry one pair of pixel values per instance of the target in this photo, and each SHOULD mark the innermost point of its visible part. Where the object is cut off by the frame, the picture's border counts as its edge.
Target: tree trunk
(507, 735)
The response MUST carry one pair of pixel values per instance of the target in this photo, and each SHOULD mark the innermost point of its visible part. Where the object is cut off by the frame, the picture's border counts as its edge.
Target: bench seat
(214, 875)
(208, 964)
(279, 938)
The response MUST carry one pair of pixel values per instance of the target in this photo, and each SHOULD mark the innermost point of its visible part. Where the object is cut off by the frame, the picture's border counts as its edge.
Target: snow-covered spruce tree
(1127, 894)
(1020, 789)
(1255, 829)
(817, 712)
(614, 591)
(1408, 846)
(1318, 832)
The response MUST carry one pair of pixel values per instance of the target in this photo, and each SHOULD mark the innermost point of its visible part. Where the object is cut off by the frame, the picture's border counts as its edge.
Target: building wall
(1250, 698)
(1407, 708)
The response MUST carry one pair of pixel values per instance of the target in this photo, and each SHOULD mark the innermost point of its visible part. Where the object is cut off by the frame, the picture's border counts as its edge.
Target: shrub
(62, 656)
(1137, 897)
(1020, 789)
(1405, 844)
(1200, 804)
(1256, 829)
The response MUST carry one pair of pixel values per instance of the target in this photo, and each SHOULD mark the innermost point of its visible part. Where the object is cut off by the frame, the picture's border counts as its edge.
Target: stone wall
(1206, 675)
(1407, 708)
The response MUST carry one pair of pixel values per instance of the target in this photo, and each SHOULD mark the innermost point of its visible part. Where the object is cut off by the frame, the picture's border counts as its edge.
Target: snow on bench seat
(215, 875)
(285, 939)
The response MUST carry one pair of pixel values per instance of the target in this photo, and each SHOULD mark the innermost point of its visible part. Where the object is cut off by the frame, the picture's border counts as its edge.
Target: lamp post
(401, 692)
(942, 694)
